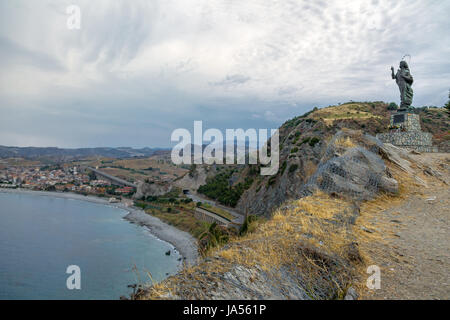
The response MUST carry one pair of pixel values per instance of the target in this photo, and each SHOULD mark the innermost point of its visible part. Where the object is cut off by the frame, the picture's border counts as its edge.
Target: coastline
(183, 242)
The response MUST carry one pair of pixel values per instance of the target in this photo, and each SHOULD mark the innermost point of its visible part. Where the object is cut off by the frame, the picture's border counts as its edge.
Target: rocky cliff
(310, 247)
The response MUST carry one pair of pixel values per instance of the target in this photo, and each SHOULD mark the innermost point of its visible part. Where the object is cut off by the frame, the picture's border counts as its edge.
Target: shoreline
(183, 242)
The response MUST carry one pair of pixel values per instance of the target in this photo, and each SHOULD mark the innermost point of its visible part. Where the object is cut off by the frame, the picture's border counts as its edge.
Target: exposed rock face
(272, 262)
(299, 158)
(349, 164)
(193, 180)
(151, 189)
(352, 171)
(303, 142)
(246, 283)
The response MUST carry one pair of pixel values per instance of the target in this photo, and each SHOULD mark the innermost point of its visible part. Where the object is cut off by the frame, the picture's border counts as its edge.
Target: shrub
(283, 167)
(392, 106)
(293, 167)
(272, 181)
(314, 141)
(213, 237)
(219, 188)
(249, 225)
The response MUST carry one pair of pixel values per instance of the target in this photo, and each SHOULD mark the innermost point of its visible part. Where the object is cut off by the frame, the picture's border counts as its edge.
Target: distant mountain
(58, 154)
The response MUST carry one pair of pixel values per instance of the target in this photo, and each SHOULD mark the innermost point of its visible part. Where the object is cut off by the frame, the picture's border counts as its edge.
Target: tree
(213, 237)
(447, 105)
(392, 106)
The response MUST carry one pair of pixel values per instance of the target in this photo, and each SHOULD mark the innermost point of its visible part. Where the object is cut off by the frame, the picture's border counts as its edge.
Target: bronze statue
(404, 81)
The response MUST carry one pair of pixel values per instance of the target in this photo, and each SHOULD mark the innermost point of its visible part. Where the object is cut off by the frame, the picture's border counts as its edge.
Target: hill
(303, 140)
(61, 155)
(319, 245)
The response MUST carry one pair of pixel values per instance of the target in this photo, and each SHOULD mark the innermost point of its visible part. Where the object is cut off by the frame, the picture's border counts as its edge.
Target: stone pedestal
(405, 132)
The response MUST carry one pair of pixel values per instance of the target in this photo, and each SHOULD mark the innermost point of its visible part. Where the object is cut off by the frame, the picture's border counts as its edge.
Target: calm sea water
(41, 236)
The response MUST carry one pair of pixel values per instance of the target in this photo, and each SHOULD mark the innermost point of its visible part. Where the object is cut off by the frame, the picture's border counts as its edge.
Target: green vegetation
(313, 141)
(447, 105)
(283, 167)
(214, 236)
(219, 188)
(271, 181)
(249, 225)
(224, 214)
(192, 170)
(392, 106)
(184, 220)
(293, 168)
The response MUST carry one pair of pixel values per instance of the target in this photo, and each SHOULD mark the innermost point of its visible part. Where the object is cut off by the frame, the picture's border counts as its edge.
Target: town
(62, 178)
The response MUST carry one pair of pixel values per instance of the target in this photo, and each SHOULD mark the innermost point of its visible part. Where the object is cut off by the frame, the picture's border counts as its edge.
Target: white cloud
(252, 58)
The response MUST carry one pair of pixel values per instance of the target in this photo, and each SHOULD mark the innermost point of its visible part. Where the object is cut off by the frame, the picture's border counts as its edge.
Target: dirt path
(420, 265)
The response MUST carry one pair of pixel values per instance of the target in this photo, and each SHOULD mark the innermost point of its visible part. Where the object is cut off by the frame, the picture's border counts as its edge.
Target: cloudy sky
(138, 69)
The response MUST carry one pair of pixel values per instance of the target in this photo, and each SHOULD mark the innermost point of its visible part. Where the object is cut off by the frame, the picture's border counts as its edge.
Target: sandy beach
(184, 243)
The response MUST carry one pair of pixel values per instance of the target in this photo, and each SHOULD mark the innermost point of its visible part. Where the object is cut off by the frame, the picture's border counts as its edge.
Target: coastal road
(238, 218)
(113, 179)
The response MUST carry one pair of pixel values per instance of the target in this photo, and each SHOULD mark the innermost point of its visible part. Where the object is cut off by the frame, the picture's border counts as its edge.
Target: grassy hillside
(437, 121)
(315, 247)
(303, 140)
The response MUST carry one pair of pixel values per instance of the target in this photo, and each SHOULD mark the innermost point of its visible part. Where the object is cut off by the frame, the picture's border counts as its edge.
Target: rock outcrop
(151, 189)
(195, 178)
(352, 167)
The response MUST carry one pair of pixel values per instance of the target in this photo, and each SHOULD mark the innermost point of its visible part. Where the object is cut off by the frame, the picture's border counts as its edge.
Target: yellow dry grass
(306, 235)
(342, 112)
(345, 142)
(374, 245)
(285, 240)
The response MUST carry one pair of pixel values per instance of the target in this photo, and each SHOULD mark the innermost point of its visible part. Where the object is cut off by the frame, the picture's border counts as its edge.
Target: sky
(136, 70)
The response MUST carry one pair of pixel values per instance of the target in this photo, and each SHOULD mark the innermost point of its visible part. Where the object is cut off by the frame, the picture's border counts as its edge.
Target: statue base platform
(405, 132)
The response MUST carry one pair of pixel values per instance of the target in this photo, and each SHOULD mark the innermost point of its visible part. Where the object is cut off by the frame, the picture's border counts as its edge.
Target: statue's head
(403, 65)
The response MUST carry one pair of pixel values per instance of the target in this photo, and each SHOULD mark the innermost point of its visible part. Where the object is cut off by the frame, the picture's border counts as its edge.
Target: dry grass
(373, 232)
(218, 211)
(310, 236)
(184, 220)
(345, 142)
(347, 111)
(303, 238)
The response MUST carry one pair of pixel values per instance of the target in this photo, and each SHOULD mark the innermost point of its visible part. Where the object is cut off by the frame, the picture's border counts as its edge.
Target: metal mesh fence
(355, 171)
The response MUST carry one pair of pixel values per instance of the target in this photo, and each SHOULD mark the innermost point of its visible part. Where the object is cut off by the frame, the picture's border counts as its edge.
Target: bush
(213, 237)
(272, 181)
(283, 167)
(314, 141)
(219, 188)
(392, 106)
(305, 140)
(294, 150)
(141, 205)
(248, 225)
(293, 167)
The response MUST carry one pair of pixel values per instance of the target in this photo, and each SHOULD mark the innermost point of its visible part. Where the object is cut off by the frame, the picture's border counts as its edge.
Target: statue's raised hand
(392, 68)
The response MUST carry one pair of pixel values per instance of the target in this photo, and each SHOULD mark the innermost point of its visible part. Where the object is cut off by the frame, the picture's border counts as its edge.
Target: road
(238, 218)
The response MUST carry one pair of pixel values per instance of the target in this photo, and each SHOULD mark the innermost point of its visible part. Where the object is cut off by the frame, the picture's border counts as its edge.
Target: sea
(56, 248)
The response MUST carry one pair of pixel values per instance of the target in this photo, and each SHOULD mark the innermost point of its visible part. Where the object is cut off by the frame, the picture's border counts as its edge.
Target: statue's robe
(404, 81)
